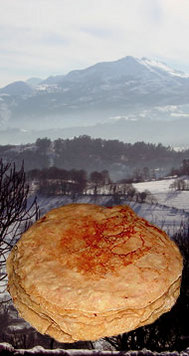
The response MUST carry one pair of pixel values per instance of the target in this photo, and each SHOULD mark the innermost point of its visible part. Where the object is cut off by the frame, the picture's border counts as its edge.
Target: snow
(152, 63)
(154, 186)
(39, 350)
(168, 219)
(164, 195)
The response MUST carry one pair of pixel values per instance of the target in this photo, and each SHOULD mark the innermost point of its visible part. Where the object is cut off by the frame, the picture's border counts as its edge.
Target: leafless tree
(16, 214)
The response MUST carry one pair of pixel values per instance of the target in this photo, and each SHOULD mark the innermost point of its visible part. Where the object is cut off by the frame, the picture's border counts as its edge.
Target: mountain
(129, 88)
(53, 79)
(18, 88)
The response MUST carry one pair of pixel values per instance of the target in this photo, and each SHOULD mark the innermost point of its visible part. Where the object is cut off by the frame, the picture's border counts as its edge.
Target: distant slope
(128, 87)
(174, 133)
(19, 88)
(166, 196)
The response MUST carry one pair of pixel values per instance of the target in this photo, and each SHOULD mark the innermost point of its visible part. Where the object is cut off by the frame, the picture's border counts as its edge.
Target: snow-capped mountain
(120, 70)
(123, 82)
(128, 88)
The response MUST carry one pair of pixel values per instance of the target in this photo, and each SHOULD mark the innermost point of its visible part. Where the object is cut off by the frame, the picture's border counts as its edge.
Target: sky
(39, 38)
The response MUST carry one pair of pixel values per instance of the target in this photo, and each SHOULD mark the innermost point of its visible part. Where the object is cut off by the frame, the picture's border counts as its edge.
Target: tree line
(90, 154)
(182, 176)
(55, 181)
(182, 170)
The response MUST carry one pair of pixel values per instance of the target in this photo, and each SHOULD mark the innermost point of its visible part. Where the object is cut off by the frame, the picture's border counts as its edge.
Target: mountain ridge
(129, 87)
(127, 64)
(122, 61)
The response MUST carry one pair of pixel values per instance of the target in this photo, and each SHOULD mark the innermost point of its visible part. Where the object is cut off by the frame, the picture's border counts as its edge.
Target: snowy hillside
(165, 195)
(38, 350)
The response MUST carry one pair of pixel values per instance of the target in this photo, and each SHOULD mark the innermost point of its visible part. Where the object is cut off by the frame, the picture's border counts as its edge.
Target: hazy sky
(47, 37)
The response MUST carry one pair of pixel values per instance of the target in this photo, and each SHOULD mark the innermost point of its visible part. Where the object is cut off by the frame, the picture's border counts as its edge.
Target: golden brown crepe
(84, 271)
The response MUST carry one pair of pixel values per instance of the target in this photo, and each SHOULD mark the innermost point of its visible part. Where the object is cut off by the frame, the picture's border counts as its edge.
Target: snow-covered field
(164, 194)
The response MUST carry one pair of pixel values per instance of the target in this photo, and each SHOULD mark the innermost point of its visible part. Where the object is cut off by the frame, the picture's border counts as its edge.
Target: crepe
(84, 271)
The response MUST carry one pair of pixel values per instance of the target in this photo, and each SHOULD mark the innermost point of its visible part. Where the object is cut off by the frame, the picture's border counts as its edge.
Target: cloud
(153, 12)
(99, 32)
(44, 37)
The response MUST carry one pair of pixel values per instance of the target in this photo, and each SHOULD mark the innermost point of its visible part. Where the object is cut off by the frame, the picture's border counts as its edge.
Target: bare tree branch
(16, 214)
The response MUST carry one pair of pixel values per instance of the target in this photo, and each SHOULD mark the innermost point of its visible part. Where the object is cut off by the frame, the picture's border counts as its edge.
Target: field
(165, 195)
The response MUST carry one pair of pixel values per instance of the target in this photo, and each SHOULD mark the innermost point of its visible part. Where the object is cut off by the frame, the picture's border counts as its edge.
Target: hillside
(165, 195)
(122, 160)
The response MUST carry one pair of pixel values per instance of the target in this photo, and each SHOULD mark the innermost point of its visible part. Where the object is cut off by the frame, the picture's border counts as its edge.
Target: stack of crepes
(84, 271)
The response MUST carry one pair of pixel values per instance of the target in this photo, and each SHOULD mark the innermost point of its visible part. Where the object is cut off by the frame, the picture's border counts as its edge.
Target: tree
(97, 177)
(137, 175)
(146, 173)
(106, 177)
(179, 184)
(185, 166)
(79, 177)
(15, 213)
(43, 145)
(43, 152)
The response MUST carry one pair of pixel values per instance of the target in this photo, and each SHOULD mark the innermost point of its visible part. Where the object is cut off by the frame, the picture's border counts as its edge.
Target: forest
(122, 160)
